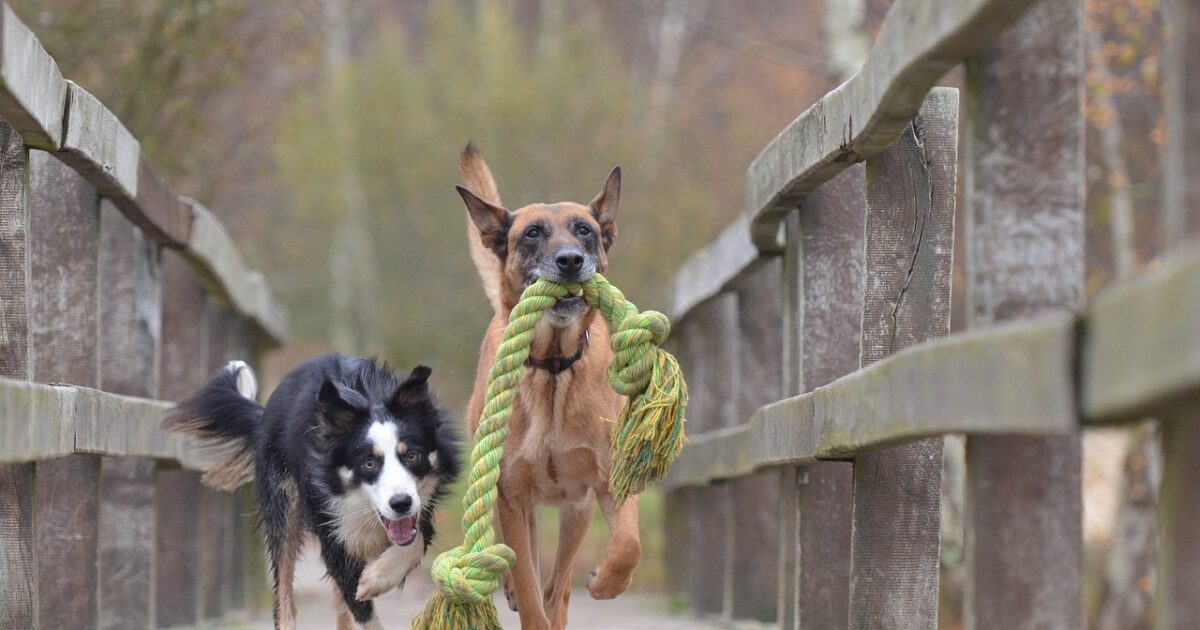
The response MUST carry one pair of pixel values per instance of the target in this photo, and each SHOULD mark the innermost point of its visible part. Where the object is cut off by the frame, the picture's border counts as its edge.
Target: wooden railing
(814, 335)
(116, 296)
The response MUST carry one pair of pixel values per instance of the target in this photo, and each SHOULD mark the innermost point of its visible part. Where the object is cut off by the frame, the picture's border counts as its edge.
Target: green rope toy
(646, 440)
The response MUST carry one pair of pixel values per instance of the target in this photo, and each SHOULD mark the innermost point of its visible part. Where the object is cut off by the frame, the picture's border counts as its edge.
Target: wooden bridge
(813, 330)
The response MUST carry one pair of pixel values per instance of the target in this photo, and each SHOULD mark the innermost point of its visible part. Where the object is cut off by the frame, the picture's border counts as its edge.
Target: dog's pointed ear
(492, 220)
(339, 406)
(606, 205)
(414, 390)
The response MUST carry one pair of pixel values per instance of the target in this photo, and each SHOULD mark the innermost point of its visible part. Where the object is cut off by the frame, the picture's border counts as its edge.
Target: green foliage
(551, 127)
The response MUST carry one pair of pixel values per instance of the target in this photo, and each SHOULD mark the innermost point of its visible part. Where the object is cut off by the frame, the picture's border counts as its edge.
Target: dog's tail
(477, 177)
(228, 421)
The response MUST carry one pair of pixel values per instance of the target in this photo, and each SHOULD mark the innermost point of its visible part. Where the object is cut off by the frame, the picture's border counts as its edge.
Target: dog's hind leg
(278, 506)
(514, 530)
(624, 550)
(573, 523)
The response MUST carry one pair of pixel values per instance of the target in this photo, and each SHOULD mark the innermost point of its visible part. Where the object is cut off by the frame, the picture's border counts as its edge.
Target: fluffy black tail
(228, 421)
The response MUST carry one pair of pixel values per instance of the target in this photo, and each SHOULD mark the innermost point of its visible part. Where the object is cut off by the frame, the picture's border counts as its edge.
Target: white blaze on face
(393, 478)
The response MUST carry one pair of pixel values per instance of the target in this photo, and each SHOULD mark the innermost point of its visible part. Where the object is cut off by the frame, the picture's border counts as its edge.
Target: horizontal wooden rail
(918, 43)
(45, 421)
(56, 115)
(1140, 355)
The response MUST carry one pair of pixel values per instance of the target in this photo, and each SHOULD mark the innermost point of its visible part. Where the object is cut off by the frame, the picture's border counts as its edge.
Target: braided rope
(647, 439)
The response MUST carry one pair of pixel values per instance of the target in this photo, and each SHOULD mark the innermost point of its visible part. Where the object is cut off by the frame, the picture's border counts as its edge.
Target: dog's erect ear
(338, 406)
(492, 220)
(606, 205)
(413, 392)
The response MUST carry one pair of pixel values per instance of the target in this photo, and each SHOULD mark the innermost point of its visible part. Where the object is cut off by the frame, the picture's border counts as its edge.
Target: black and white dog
(346, 450)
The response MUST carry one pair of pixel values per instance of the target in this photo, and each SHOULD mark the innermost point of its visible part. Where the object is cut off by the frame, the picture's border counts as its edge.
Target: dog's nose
(569, 261)
(400, 503)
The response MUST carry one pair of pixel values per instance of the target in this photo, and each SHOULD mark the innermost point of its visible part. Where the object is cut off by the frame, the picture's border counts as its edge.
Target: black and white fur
(345, 450)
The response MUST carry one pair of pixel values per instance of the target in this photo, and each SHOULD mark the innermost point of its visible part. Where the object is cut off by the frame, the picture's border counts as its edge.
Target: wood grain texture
(130, 306)
(161, 214)
(1181, 70)
(919, 41)
(1025, 218)
(63, 244)
(14, 255)
(756, 497)
(176, 495)
(18, 580)
(831, 238)
(65, 518)
(210, 509)
(708, 340)
(183, 360)
(126, 552)
(33, 93)
(98, 146)
(1011, 379)
(706, 272)
(906, 301)
(1176, 606)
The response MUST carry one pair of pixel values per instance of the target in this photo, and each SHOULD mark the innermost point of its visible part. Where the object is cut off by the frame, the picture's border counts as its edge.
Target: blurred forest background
(325, 133)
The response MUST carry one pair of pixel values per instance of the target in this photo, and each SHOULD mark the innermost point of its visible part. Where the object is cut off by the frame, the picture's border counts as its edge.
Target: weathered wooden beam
(219, 265)
(33, 94)
(1023, 191)
(909, 233)
(98, 146)
(706, 272)
(919, 41)
(1008, 379)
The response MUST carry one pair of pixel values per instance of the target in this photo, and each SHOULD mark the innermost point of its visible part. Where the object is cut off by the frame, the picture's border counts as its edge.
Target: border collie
(345, 450)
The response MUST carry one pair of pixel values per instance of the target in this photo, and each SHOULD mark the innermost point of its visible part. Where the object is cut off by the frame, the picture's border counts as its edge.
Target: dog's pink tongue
(403, 531)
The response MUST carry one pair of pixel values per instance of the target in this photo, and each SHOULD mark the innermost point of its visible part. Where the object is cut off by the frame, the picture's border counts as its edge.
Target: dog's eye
(369, 464)
(534, 231)
(412, 457)
(583, 230)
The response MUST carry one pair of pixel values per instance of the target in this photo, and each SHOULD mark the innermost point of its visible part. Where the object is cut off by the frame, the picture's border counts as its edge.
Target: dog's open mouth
(403, 531)
(570, 304)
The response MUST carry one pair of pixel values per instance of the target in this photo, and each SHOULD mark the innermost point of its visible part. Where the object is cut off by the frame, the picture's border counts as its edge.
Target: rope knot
(635, 351)
(472, 577)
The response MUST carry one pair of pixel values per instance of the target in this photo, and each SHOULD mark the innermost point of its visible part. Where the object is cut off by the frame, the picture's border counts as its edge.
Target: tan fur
(230, 465)
(557, 449)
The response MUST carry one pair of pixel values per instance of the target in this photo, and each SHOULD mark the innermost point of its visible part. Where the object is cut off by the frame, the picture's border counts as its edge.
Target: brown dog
(557, 450)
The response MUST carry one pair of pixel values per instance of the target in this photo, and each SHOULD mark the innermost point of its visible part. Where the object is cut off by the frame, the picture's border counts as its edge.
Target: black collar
(555, 365)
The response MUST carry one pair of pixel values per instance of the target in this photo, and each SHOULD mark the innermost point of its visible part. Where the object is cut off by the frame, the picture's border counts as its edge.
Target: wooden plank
(130, 324)
(831, 233)
(175, 502)
(33, 94)
(756, 496)
(211, 507)
(14, 255)
(161, 214)
(1141, 344)
(1011, 379)
(919, 41)
(1176, 606)
(1181, 216)
(127, 535)
(63, 241)
(1025, 218)
(98, 146)
(220, 267)
(18, 583)
(130, 306)
(65, 516)
(183, 363)
(909, 232)
(708, 338)
(706, 272)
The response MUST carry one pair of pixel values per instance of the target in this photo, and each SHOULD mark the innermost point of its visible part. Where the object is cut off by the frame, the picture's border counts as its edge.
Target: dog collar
(555, 365)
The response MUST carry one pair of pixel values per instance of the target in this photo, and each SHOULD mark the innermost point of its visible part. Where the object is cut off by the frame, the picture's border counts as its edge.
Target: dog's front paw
(374, 583)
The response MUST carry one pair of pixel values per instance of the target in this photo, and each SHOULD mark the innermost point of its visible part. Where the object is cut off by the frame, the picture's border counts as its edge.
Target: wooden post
(711, 338)
(130, 325)
(1023, 189)
(825, 241)
(1177, 605)
(63, 241)
(906, 300)
(756, 496)
(183, 366)
(213, 506)
(18, 580)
